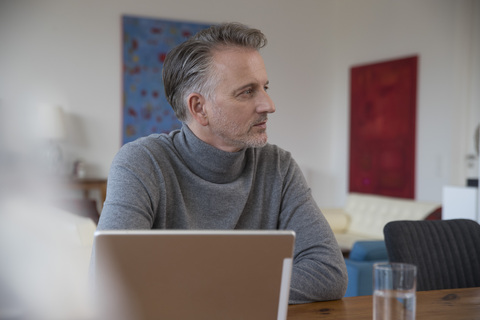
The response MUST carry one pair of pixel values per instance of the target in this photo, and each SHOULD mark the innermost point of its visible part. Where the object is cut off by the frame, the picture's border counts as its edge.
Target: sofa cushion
(360, 278)
(337, 218)
(435, 214)
(346, 240)
(370, 213)
(369, 251)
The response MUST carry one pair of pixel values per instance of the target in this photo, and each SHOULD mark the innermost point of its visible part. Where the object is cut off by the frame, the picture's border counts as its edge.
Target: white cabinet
(460, 203)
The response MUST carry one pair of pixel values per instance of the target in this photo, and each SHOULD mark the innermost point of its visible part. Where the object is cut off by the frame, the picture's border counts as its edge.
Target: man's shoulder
(156, 145)
(155, 140)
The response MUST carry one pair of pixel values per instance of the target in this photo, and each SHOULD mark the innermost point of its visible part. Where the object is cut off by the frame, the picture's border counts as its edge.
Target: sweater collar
(208, 162)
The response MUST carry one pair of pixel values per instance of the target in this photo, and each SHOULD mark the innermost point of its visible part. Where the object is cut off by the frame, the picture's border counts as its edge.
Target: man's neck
(203, 133)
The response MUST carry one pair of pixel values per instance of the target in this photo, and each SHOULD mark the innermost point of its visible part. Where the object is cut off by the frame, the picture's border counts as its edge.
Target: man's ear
(196, 107)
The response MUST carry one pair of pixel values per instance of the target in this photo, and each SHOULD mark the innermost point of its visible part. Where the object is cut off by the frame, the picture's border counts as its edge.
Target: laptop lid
(186, 274)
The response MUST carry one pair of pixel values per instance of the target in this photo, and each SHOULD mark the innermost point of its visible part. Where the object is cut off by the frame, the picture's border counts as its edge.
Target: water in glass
(394, 305)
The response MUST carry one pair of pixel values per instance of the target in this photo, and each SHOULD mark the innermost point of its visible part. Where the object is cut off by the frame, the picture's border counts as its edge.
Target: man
(218, 171)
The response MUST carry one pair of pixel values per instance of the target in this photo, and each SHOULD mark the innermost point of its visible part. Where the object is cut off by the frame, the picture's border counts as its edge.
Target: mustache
(260, 120)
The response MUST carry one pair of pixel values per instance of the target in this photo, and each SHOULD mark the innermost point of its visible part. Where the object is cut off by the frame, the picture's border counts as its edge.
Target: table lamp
(53, 131)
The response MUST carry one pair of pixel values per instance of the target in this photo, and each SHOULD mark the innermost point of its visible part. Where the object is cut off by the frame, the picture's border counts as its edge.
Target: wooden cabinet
(86, 185)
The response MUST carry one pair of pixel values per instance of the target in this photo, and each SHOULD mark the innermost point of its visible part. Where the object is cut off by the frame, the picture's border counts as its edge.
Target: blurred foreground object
(45, 255)
(44, 251)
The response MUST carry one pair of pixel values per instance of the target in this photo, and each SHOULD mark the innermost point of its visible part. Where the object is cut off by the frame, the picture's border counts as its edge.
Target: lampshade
(52, 123)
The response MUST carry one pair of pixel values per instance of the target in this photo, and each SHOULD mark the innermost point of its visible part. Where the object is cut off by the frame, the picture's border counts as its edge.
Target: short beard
(247, 140)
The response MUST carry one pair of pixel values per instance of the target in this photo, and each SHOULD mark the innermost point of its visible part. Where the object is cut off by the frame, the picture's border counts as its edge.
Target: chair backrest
(446, 252)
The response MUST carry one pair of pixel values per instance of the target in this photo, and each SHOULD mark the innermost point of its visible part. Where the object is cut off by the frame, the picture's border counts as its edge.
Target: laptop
(187, 274)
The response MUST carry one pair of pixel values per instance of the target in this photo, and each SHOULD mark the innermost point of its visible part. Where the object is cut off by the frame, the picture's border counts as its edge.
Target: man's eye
(248, 91)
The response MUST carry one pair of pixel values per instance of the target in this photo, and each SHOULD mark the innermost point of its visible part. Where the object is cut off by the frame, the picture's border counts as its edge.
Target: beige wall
(68, 53)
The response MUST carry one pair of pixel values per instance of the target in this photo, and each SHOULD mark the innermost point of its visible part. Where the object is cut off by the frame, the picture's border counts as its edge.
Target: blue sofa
(360, 266)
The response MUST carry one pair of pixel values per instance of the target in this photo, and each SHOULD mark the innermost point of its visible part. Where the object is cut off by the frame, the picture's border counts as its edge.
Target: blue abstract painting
(145, 44)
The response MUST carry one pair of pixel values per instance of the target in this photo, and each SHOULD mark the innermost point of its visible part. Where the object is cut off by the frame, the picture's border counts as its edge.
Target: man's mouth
(262, 124)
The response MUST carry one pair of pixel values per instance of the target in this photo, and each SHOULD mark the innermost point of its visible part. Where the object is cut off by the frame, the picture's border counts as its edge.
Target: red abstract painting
(383, 128)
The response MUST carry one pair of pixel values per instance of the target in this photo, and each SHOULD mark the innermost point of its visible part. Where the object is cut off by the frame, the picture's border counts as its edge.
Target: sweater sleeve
(132, 192)
(319, 272)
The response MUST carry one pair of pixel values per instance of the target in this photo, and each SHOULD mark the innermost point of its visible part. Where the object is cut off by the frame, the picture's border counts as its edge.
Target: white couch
(365, 215)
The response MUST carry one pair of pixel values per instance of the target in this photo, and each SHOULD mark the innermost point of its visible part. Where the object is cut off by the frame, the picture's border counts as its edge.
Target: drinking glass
(394, 291)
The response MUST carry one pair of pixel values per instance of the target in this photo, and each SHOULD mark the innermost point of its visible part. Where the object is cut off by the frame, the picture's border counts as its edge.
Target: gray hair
(188, 67)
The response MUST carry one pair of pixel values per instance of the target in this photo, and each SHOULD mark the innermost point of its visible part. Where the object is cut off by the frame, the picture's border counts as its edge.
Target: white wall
(68, 53)
(442, 33)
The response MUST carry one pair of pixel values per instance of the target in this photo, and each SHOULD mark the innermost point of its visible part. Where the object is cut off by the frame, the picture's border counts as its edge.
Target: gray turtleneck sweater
(177, 181)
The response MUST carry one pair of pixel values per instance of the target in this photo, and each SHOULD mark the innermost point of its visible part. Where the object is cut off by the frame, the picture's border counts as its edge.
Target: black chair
(446, 252)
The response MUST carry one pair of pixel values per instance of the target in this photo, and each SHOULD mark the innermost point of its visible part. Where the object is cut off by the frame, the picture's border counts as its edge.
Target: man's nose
(265, 104)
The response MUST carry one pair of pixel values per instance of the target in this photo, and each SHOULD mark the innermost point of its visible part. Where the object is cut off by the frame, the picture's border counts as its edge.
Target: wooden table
(451, 304)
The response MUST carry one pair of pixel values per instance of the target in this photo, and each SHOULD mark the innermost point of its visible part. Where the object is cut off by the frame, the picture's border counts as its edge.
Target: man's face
(237, 117)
